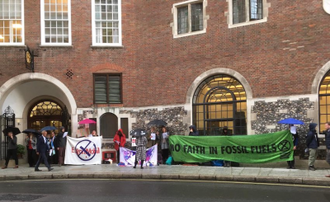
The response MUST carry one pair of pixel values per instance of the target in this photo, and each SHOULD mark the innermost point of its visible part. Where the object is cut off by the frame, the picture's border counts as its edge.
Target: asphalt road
(143, 190)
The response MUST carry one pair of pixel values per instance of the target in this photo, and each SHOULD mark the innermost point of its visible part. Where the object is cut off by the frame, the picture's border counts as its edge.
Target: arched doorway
(324, 101)
(47, 113)
(109, 125)
(219, 101)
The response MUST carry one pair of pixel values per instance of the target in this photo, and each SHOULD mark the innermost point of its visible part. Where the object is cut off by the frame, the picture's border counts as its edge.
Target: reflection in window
(220, 101)
(56, 21)
(11, 22)
(324, 101)
(106, 22)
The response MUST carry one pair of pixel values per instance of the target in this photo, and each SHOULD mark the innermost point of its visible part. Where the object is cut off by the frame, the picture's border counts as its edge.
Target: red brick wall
(158, 70)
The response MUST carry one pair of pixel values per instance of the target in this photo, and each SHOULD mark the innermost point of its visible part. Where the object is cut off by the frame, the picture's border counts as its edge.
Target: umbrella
(157, 122)
(35, 132)
(14, 130)
(291, 121)
(48, 128)
(138, 132)
(86, 121)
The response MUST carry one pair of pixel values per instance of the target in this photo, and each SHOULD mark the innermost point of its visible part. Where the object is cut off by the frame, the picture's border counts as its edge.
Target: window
(324, 101)
(107, 89)
(11, 22)
(244, 12)
(55, 22)
(106, 22)
(189, 18)
(219, 102)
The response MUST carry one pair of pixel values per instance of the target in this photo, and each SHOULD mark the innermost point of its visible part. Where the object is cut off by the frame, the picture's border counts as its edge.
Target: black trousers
(12, 153)
(165, 153)
(32, 157)
(42, 156)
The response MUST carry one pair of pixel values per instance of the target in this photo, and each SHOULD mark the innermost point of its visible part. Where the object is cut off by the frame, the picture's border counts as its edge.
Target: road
(148, 190)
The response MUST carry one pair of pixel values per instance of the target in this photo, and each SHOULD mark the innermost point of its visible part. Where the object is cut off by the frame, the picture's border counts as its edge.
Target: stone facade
(267, 114)
(174, 117)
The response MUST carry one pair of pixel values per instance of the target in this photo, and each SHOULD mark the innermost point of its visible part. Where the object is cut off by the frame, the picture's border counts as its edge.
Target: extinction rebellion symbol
(85, 150)
(285, 147)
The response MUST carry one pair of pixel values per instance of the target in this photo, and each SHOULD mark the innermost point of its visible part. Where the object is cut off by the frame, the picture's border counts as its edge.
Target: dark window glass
(107, 89)
(197, 17)
(239, 11)
(183, 26)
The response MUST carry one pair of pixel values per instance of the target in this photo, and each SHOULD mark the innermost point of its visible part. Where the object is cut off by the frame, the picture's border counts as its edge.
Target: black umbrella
(138, 132)
(35, 132)
(14, 130)
(157, 122)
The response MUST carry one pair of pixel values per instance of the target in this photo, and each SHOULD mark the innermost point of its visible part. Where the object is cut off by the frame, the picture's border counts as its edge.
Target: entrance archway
(19, 91)
(46, 113)
(220, 101)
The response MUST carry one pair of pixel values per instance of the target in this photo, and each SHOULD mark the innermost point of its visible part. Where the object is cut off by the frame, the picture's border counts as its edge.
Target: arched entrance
(47, 113)
(324, 101)
(219, 101)
(26, 90)
(109, 125)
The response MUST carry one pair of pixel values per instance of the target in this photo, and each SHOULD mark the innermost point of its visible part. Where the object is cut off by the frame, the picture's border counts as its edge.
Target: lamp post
(8, 120)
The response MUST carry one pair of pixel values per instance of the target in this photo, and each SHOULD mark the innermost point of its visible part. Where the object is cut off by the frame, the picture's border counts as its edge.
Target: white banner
(127, 156)
(80, 151)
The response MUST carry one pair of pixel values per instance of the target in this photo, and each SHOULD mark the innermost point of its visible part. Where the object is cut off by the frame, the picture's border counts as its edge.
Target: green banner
(271, 147)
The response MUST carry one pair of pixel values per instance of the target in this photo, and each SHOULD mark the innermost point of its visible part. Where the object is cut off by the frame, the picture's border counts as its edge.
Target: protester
(12, 150)
(93, 134)
(295, 139)
(312, 143)
(60, 145)
(154, 136)
(164, 143)
(31, 146)
(193, 131)
(327, 142)
(52, 152)
(120, 141)
(141, 142)
(226, 133)
(42, 150)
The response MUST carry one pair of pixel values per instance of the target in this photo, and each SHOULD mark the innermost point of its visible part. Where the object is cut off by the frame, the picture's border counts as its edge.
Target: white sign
(80, 151)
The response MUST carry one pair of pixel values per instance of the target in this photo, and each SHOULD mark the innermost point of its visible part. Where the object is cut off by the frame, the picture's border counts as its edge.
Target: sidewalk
(174, 172)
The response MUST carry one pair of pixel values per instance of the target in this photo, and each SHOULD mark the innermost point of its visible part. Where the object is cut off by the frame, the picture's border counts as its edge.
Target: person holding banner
(141, 142)
(120, 141)
(295, 139)
(327, 142)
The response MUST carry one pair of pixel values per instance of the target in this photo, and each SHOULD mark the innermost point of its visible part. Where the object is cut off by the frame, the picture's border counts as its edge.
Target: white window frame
(94, 44)
(174, 25)
(23, 30)
(42, 17)
(229, 14)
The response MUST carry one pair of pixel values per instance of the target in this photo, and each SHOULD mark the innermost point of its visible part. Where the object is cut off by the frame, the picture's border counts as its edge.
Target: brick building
(245, 64)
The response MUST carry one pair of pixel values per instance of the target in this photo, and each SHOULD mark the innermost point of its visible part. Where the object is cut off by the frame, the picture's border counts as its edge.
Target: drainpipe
(326, 6)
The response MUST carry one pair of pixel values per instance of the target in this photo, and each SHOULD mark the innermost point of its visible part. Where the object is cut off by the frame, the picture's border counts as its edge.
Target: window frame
(175, 18)
(248, 21)
(119, 44)
(42, 24)
(107, 90)
(22, 31)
